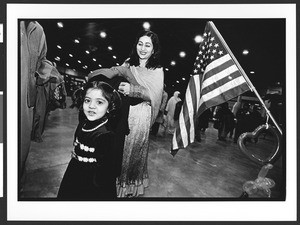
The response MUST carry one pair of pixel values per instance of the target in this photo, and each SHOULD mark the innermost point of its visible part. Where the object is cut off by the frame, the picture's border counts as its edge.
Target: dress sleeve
(138, 91)
(116, 71)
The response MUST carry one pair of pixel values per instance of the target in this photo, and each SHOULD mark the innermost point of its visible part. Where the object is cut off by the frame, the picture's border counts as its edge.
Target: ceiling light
(70, 55)
(78, 61)
(114, 56)
(245, 52)
(103, 34)
(173, 63)
(100, 65)
(60, 24)
(198, 39)
(76, 41)
(109, 48)
(94, 59)
(167, 69)
(146, 25)
(58, 46)
(252, 72)
(67, 64)
(183, 78)
(87, 52)
(182, 54)
(57, 58)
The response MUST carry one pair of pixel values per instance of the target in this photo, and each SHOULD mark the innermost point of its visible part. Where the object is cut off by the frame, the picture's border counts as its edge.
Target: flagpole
(251, 86)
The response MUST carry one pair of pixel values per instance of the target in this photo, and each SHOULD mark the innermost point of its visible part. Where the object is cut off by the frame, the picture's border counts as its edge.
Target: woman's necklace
(95, 128)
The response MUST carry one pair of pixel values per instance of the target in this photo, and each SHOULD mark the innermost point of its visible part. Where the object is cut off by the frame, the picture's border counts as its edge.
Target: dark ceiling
(264, 38)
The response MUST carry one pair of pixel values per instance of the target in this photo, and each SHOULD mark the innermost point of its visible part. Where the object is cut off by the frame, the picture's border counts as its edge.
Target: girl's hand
(124, 88)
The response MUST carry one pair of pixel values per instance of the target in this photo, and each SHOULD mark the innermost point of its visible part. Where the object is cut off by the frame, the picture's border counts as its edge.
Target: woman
(145, 87)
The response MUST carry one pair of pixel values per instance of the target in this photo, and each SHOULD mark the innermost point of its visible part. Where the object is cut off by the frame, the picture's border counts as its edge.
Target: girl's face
(144, 47)
(94, 105)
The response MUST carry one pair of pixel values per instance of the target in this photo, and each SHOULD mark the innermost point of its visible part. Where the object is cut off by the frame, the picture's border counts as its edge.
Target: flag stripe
(218, 62)
(227, 86)
(229, 78)
(225, 96)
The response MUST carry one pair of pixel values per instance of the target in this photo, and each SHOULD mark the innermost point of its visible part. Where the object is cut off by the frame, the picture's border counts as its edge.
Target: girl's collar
(90, 126)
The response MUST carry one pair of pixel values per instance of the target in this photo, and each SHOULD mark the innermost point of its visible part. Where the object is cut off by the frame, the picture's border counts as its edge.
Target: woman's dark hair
(154, 60)
(109, 93)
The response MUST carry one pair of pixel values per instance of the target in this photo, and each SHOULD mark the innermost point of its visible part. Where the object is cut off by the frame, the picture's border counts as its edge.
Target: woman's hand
(124, 88)
(126, 63)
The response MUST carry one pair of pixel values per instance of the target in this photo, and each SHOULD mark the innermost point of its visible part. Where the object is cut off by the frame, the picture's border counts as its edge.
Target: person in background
(90, 174)
(160, 117)
(235, 108)
(170, 108)
(34, 67)
(145, 87)
(255, 118)
(226, 121)
(242, 121)
(51, 94)
(202, 123)
(237, 105)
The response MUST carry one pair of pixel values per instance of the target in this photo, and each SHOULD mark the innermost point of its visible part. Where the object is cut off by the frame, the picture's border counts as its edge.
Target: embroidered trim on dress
(83, 147)
(83, 159)
(95, 128)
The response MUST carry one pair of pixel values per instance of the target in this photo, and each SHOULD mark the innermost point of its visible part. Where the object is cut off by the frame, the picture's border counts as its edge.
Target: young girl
(90, 174)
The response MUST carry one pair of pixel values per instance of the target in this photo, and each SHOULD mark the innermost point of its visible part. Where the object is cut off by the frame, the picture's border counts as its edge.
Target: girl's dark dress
(90, 174)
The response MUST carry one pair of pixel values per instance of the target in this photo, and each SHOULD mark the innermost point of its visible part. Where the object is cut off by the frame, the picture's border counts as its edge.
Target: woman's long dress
(134, 174)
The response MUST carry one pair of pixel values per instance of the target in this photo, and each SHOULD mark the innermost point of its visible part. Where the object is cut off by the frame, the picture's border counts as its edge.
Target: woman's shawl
(153, 80)
(114, 71)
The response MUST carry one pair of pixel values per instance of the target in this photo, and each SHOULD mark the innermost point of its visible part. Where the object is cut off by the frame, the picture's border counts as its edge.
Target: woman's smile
(144, 48)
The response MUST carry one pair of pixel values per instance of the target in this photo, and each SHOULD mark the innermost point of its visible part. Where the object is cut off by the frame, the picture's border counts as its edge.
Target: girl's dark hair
(109, 93)
(154, 60)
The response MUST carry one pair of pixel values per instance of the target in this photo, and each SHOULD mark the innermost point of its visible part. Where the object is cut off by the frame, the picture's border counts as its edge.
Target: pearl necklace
(95, 128)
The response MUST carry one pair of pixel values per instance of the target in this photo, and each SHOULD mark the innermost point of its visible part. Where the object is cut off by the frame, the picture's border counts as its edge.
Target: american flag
(216, 78)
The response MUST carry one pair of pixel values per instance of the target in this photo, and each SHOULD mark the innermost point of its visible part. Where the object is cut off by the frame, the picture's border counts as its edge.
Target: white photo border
(152, 210)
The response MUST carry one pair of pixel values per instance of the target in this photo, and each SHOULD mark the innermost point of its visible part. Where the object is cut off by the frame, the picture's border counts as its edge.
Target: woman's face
(94, 105)
(144, 47)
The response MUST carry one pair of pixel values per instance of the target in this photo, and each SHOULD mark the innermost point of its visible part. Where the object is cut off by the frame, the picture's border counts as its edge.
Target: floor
(210, 169)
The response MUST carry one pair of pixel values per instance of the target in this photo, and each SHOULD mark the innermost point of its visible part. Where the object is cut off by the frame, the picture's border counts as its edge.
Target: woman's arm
(115, 71)
(135, 91)
(138, 91)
